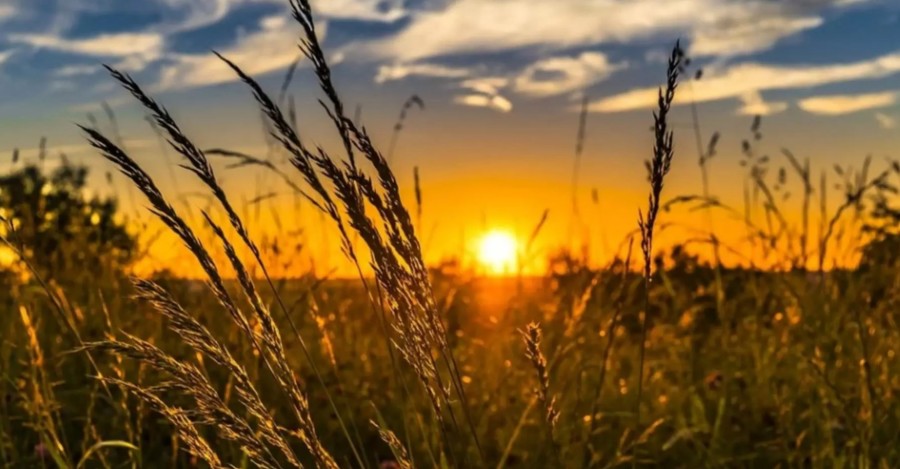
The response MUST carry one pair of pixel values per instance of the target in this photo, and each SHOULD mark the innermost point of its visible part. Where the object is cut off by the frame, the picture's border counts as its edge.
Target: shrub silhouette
(58, 227)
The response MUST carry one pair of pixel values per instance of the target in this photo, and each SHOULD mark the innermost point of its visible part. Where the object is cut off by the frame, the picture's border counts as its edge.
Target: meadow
(662, 357)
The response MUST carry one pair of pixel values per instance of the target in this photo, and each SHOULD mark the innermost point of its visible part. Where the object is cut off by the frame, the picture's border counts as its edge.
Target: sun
(498, 252)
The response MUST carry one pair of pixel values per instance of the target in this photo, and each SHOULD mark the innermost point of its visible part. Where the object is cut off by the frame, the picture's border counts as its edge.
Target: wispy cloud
(744, 28)
(6, 12)
(753, 104)
(400, 71)
(495, 102)
(885, 121)
(103, 45)
(716, 27)
(133, 50)
(367, 10)
(835, 105)
(269, 49)
(188, 15)
(559, 75)
(744, 79)
(5, 55)
(486, 85)
(485, 92)
(76, 70)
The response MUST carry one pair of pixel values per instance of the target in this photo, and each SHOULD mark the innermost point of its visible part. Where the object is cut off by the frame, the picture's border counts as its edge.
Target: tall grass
(677, 363)
(657, 169)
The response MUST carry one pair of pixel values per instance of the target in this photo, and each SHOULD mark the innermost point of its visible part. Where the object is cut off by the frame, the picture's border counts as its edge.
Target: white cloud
(717, 27)
(6, 12)
(134, 50)
(369, 10)
(755, 105)
(743, 79)
(104, 45)
(738, 29)
(76, 70)
(60, 85)
(5, 55)
(495, 102)
(486, 85)
(400, 71)
(187, 15)
(885, 121)
(559, 75)
(845, 104)
(485, 92)
(266, 50)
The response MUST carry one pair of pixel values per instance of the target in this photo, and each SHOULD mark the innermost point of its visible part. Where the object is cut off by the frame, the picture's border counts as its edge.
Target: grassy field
(661, 358)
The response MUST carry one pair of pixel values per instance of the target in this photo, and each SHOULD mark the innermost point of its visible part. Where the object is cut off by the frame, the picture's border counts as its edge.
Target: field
(662, 357)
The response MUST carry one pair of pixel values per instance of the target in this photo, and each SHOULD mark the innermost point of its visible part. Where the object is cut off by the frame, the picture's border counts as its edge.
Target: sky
(502, 82)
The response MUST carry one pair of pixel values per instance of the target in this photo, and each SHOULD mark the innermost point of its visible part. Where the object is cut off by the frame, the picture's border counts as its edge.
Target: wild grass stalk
(400, 453)
(610, 335)
(531, 335)
(400, 271)
(199, 165)
(288, 78)
(10, 240)
(411, 102)
(657, 168)
(854, 194)
(40, 402)
(417, 184)
(268, 344)
(803, 171)
(14, 159)
(526, 252)
(580, 137)
(306, 163)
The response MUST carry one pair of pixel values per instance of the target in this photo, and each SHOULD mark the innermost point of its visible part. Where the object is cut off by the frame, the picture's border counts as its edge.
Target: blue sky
(501, 79)
(493, 54)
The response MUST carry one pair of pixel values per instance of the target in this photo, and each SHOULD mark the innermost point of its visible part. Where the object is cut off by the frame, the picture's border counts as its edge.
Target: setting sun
(497, 252)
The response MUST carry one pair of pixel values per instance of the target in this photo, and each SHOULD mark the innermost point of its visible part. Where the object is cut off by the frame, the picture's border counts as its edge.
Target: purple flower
(40, 451)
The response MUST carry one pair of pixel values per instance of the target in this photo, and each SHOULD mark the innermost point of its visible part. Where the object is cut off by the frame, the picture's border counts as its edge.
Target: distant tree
(58, 227)
(884, 251)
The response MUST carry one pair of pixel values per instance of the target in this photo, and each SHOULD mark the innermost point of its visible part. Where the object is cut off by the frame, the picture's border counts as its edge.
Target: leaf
(717, 426)
(698, 414)
(103, 445)
(683, 434)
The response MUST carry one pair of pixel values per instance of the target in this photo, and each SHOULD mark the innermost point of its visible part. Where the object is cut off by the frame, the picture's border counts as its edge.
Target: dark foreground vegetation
(657, 359)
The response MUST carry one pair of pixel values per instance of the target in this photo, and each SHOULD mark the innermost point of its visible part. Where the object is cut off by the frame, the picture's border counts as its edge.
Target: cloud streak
(747, 78)
(885, 121)
(495, 102)
(269, 49)
(835, 105)
(725, 27)
(401, 71)
(753, 104)
(103, 45)
(485, 92)
(6, 12)
(558, 75)
(365, 10)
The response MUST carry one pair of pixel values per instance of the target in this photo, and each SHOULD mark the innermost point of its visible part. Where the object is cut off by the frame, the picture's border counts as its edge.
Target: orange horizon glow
(490, 250)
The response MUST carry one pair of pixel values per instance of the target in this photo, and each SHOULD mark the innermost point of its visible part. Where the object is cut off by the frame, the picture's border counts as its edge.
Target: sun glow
(498, 252)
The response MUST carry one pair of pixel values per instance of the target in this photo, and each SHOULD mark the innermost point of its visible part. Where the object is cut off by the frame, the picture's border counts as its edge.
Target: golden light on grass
(498, 252)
